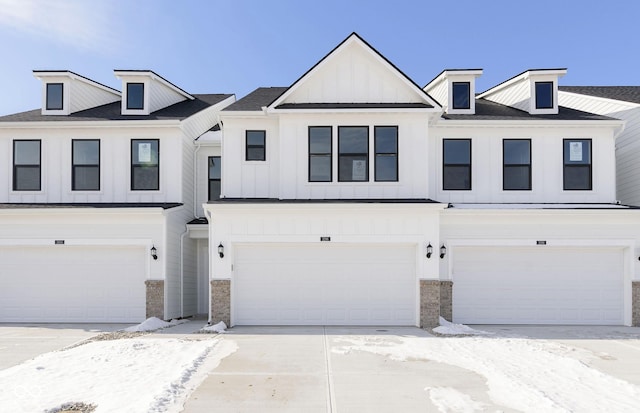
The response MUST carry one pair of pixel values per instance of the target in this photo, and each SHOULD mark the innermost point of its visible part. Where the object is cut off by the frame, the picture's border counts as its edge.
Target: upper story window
(26, 165)
(215, 175)
(85, 169)
(577, 164)
(320, 153)
(145, 162)
(516, 166)
(544, 95)
(255, 145)
(353, 153)
(135, 95)
(456, 169)
(461, 95)
(55, 98)
(386, 150)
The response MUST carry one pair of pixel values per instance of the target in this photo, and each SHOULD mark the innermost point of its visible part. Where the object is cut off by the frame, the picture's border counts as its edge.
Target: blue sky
(234, 46)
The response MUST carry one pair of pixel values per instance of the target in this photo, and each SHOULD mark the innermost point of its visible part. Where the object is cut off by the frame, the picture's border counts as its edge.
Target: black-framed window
(577, 173)
(544, 95)
(135, 95)
(461, 95)
(320, 153)
(456, 161)
(256, 145)
(215, 175)
(385, 144)
(26, 165)
(145, 164)
(55, 96)
(516, 164)
(353, 153)
(85, 165)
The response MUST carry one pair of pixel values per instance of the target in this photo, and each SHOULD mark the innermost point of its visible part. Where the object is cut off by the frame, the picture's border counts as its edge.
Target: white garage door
(72, 284)
(541, 285)
(324, 285)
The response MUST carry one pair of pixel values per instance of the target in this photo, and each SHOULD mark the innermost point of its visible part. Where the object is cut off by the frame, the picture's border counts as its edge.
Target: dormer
(534, 91)
(65, 92)
(455, 90)
(144, 92)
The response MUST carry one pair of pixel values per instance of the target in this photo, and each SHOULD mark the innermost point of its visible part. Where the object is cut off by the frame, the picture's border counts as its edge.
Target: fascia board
(91, 124)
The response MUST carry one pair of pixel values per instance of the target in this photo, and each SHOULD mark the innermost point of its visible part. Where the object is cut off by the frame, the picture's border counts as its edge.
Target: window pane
(386, 168)
(516, 178)
(544, 95)
(27, 178)
(577, 152)
(457, 151)
(86, 178)
(386, 138)
(145, 152)
(320, 140)
(320, 168)
(353, 168)
(26, 153)
(255, 154)
(54, 96)
(353, 139)
(577, 177)
(145, 178)
(214, 167)
(135, 95)
(86, 152)
(517, 152)
(461, 95)
(255, 138)
(214, 190)
(456, 177)
(255, 146)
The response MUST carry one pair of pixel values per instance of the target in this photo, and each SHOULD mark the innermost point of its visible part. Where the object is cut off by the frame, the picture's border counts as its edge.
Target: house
(356, 197)
(98, 188)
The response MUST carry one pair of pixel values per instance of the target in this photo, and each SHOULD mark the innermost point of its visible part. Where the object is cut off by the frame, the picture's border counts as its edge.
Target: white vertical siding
(440, 92)
(202, 184)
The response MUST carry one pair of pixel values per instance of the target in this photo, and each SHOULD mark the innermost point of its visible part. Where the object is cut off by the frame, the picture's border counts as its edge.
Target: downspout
(207, 214)
(182, 271)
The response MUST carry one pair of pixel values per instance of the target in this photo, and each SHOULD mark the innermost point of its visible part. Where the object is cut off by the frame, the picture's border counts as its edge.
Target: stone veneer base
(635, 303)
(221, 301)
(429, 303)
(155, 298)
(446, 300)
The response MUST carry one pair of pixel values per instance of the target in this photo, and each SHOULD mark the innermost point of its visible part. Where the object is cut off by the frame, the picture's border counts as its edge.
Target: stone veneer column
(635, 303)
(155, 298)
(221, 301)
(446, 300)
(429, 303)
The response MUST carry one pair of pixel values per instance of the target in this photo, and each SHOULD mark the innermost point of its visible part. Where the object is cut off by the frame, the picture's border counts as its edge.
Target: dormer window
(544, 95)
(54, 96)
(135, 96)
(461, 95)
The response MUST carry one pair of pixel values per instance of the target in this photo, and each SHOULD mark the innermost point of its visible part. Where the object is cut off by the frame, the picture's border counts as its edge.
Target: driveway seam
(330, 396)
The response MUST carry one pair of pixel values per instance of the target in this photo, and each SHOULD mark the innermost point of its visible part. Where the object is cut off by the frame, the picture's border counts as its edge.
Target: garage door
(72, 284)
(538, 286)
(324, 285)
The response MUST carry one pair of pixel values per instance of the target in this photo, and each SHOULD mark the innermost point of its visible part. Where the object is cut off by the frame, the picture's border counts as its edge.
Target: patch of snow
(220, 328)
(448, 400)
(449, 328)
(133, 375)
(154, 323)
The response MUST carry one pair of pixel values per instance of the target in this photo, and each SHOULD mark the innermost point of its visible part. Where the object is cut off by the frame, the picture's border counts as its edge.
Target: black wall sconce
(429, 250)
(221, 250)
(443, 251)
(154, 252)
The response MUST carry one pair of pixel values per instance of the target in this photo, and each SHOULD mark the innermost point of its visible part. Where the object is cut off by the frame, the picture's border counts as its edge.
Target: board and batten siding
(202, 176)
(440, 91)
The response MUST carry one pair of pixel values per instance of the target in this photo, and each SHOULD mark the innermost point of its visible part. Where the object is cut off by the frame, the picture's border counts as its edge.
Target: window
(516, 164)
(135, 95)
(386, 149)
(145, 161)
(353, 153)
(320, 152)
(255, 145)
(26, 165)
(456, 171)
(461, 95)
(577, 164)
(215, 173)
(54, 96)
(544, 95)
(85, 169)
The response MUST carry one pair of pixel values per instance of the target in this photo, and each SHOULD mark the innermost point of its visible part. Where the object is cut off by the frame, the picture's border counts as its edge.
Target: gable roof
(624, 93)
(154, 76)
(354, 37)
(556, 71)
(39, 73)
(256, 100)
(112, 111)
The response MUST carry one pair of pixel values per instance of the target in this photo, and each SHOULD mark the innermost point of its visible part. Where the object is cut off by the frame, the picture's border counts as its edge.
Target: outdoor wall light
(154, 252)
(429, 250)
(443, 251)
(221, 250)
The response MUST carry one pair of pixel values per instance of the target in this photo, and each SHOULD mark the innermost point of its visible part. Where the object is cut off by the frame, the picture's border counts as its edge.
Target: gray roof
(488, 110)
(163, 205)
(254, 101)
(112, 111)
(625, 93)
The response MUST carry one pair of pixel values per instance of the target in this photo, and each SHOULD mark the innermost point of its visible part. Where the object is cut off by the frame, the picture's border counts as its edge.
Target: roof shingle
(624, 93)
